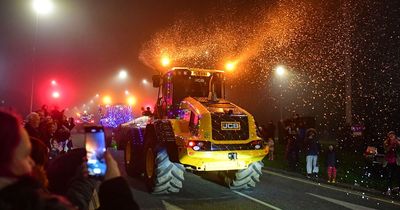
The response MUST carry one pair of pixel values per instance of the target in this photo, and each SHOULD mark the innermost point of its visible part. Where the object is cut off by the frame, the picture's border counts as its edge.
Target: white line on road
(334, 188)
(342, 203)
(256, 200)
(169, 206)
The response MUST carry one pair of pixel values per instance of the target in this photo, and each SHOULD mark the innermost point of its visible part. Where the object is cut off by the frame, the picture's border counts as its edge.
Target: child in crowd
(271, 149)
(331, 164)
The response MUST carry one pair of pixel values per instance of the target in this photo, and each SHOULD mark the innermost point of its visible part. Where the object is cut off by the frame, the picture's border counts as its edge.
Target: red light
(191, 143)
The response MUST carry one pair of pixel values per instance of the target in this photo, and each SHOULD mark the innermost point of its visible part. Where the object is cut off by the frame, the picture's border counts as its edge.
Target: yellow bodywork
(212, 160)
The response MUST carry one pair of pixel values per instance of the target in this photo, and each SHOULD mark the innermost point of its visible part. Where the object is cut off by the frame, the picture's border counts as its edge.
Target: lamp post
(280, 72)
(41, 8)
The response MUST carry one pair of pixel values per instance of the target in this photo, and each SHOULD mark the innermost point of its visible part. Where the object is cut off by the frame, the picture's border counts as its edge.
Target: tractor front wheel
(162, 176)
(245, 178)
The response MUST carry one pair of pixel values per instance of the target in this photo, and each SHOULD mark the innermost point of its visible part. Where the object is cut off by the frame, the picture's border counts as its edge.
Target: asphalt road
(275, 191)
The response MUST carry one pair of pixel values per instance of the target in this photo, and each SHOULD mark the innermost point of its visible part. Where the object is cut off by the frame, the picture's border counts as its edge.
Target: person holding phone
(95, 144)
(19, 190)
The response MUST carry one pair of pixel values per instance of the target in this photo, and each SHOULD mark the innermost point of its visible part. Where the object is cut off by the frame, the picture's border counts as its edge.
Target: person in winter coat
(312, 150)
(19, 190)
(292, 152)
(331, 161)
(392, 158)
(32, 125)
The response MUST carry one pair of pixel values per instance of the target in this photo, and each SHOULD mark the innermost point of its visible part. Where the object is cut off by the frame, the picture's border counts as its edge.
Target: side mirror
(156, 81)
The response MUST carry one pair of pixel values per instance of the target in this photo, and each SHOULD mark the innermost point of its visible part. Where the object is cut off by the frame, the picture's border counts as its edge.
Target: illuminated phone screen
(95, 147)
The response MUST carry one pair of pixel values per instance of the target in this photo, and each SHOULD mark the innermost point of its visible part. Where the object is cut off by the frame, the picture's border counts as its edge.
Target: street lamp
(40, 7)
(131, 101)
(43, 7)
(165, 61)
(280, 72)
(56, 94)
(122, 74)
(107, 100)
(230, 66)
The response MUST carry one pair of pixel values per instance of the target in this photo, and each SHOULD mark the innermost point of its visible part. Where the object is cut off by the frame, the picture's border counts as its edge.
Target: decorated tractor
(193, 128)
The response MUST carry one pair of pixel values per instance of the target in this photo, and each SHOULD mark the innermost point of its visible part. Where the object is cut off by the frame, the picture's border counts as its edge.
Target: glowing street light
(230, 66)
(122, 74)
(131, 101)
(165, 61)
(280, 71)
(145, 82)
(55, 94)
(43, 7)
(107, 100)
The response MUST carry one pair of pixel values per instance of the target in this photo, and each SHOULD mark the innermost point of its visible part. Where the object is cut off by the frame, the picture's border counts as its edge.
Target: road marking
(334, 188)
(169, 206)
(343, 203)
(256, 200)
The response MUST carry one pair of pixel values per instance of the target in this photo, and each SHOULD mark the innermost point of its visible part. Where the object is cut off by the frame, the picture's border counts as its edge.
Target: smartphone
(95, 145)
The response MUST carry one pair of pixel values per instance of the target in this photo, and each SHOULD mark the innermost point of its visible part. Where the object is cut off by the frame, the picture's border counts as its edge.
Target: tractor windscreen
(195, 86)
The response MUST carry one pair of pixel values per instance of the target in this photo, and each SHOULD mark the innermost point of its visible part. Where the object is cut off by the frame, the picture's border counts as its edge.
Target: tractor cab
(181, 82)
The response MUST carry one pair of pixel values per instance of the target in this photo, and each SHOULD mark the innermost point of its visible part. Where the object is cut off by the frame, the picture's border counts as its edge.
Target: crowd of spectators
(39, 168)
(52, 128)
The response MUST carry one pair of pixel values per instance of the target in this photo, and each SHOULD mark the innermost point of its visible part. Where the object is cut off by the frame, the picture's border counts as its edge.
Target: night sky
(84, 43)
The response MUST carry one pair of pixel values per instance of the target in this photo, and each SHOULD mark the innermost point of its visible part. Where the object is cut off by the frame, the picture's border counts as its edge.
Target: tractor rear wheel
(245, 178)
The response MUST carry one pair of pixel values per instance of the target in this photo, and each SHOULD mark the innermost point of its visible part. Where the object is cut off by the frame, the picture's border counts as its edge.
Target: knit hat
(391, 132)
(311, 130)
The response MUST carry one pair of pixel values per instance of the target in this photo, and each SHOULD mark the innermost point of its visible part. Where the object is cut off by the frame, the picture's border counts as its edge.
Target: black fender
(124, 134)
(165, 137)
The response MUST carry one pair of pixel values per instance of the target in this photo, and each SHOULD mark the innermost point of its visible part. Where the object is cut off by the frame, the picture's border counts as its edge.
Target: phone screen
(95, 147)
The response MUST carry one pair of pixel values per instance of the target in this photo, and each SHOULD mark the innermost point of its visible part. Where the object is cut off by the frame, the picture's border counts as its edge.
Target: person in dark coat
(48, 131)
(331, 163)
(292, 152)
(281, 132)
(392, 159)
(32, 125)
(40, 156)
(19, 190)
(312, 150)
(147, 112)
(270, 130)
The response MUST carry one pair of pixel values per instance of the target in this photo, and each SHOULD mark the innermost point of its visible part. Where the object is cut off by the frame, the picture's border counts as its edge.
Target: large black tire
(165, 176)
(245, 178)
(133, 159)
